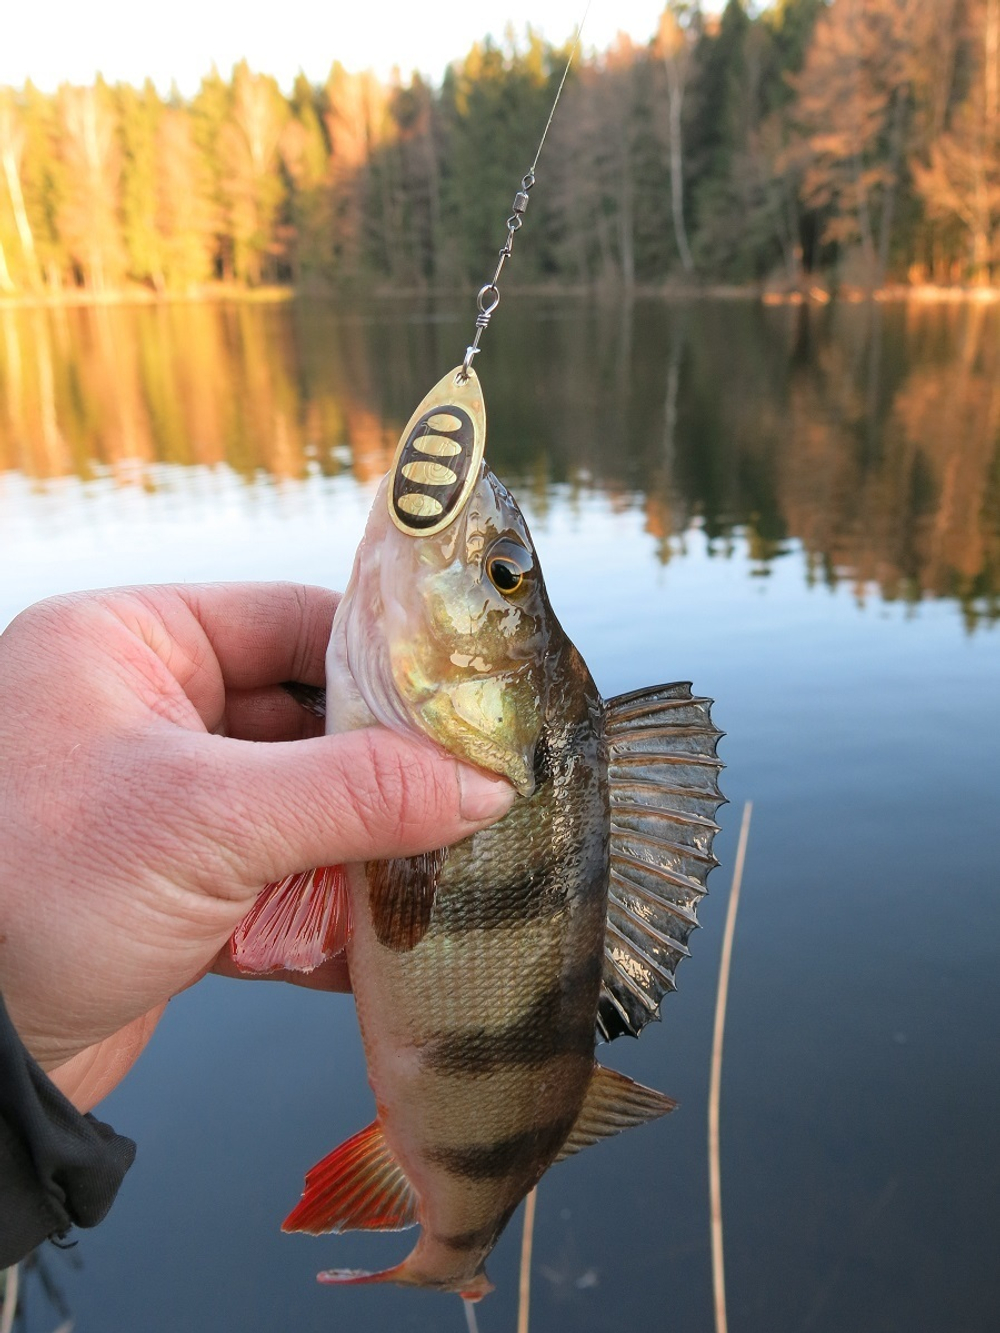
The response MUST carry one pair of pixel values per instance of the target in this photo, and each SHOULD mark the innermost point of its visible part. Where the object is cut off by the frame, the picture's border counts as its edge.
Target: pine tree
(139, 115)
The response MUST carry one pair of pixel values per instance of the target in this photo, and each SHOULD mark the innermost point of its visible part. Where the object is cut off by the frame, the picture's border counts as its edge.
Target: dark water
(797, 509)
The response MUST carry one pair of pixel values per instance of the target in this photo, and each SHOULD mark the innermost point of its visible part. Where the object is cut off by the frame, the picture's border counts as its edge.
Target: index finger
(261, 633)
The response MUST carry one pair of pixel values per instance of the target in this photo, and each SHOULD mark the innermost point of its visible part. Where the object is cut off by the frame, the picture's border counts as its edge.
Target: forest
(802, 144)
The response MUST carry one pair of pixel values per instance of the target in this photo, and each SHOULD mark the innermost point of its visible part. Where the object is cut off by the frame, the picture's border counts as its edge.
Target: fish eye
(507, 565)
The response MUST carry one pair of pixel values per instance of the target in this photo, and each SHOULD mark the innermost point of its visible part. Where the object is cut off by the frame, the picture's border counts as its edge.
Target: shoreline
(925, 294)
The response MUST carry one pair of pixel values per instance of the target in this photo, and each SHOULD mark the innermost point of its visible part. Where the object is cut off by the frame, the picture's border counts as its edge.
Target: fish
(486, 973)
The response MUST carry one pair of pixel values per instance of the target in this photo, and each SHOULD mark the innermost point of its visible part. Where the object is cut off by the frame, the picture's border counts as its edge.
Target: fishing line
(489, 294)
(562, 82)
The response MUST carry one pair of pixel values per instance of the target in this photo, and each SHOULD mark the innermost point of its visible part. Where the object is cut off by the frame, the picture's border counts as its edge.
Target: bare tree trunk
(434, 200)
(864, 218)
(626, 238)
(889, 198)
(992, 78)
(6, 283)
(992, 69)
(675, 99)
(20, 212)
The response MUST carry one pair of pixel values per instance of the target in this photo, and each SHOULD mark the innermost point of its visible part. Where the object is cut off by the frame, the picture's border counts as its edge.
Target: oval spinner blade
(438, 456)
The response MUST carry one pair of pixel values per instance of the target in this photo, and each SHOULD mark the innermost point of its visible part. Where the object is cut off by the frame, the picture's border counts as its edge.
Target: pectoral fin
(613, 1103)
(297, 923)
(401, 895)
(359, 1187)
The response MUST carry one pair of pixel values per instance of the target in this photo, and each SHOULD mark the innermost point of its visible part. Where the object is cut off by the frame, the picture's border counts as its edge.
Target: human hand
(138, 818)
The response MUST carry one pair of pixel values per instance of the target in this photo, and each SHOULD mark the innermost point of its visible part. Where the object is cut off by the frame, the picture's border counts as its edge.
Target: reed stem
(470, 1315)
(715, 1086)
(527, 1239)
(8, 1311)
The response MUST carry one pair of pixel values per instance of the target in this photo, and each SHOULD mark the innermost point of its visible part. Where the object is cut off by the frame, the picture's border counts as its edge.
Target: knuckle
(398, 793)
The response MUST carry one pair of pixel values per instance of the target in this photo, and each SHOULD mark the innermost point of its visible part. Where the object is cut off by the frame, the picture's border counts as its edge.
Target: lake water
(796, 508)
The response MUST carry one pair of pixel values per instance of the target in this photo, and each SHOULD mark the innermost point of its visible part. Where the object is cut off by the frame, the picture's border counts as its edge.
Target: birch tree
(12, 143)
(251, 177)
(89, 220)
(674, 44)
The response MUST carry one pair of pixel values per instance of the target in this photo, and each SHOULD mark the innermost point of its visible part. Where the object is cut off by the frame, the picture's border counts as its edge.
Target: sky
(58, 41)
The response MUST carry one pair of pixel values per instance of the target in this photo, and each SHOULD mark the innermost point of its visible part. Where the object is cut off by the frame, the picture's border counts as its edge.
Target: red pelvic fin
(359, 1187)
(297, 923)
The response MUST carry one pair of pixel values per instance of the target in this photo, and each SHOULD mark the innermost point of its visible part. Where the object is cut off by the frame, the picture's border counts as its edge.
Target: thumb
(272, 809)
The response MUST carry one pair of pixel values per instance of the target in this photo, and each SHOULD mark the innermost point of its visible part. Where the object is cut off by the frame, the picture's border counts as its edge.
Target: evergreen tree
(139, 115)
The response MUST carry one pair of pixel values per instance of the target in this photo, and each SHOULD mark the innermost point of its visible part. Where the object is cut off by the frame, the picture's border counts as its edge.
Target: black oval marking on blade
(419, 505)
(506, 1157)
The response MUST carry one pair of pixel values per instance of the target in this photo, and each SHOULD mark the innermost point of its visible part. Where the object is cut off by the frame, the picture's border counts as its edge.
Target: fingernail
(482, 797)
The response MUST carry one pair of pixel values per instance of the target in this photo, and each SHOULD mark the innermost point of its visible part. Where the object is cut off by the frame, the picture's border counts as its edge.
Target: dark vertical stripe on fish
(535, 896)
(559, 1022)
(506, 1157)
(478, 1238)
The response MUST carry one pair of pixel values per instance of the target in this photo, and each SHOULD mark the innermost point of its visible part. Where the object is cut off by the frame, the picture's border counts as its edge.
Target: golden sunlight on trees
(960, 183)
(90, 157)
(788, 144)
(252, 187)
(854, 100)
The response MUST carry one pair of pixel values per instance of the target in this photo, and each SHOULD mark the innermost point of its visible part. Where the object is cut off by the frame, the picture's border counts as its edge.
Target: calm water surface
(799, 510)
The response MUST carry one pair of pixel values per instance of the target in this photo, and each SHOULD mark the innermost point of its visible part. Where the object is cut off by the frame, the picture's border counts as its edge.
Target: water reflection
(871, 434)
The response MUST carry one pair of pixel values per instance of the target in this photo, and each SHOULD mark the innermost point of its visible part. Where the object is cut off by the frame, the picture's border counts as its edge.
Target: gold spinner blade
(438, 456)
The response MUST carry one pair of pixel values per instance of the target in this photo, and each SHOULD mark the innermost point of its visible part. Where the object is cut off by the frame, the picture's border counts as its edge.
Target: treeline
(847, 141)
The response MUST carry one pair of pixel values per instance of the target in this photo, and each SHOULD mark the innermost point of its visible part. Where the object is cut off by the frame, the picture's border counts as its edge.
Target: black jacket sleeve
(58, 1168)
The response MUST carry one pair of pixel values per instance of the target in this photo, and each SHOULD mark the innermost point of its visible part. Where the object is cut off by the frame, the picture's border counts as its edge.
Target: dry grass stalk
(9, 1308)
(527, 1239)
(470, 1315)
(714, 1173)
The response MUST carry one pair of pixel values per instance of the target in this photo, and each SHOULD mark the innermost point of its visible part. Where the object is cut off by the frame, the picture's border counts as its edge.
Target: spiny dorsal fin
(297, 923)
(663, 778)
(359, 1187)
(401, 895)
(612, 1103)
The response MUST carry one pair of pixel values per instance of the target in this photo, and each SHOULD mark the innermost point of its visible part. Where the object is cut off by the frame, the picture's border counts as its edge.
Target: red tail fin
(297, 922)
